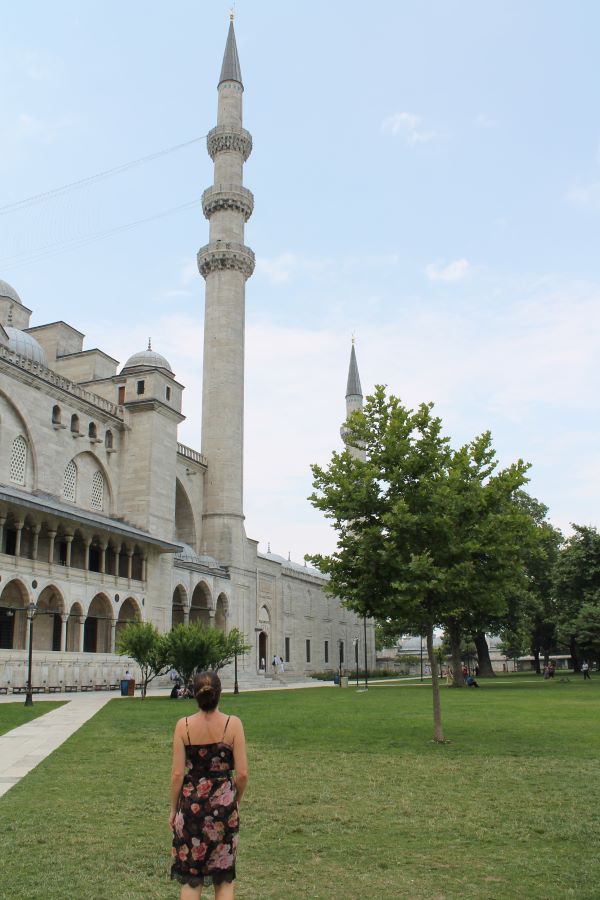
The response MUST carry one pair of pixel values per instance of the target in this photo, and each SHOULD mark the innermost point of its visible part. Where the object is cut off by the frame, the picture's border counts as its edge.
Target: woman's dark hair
(207, 690)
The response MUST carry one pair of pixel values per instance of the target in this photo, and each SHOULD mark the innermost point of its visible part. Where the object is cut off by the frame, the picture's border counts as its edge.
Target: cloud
(453, 271)
(278, 269)
(586, 196)
(408, 127)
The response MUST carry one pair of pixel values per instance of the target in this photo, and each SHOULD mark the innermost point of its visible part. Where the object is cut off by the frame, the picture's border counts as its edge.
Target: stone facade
(106, 517)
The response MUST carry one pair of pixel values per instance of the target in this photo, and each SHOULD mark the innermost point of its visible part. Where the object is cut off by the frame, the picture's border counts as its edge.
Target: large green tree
(425, 533)
(142, 642)
(197, 647)
(577, 583)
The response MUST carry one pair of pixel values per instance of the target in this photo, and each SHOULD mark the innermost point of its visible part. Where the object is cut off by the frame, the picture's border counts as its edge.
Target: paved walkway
(23, 748)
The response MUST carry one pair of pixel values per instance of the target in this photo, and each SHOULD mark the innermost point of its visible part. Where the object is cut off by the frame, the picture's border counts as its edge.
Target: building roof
(25, 345)
(47, 503)
(353, 388)
(188, 556)
(149, 359)
(8, 292)
(290, 564)
(230, 70)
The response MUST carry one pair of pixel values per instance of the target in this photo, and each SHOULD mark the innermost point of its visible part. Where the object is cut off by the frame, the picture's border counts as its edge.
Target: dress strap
(188, 731)
(225, 729)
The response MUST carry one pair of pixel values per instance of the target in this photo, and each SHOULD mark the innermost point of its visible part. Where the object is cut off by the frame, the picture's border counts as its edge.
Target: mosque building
(105, 517)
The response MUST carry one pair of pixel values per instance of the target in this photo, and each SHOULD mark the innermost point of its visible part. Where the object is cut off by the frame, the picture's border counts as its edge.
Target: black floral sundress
(205, 832)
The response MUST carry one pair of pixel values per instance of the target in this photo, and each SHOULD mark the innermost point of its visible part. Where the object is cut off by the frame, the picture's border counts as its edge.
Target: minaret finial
(232, 13)
(149, 343)
(353, 339)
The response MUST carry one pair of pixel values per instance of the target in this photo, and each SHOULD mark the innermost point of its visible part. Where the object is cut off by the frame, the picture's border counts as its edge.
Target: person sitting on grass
(470, 681)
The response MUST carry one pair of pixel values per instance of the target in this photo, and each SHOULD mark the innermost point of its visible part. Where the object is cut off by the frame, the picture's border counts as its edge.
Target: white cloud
(585, 196)
(453, 271)
(277, 269)
(408, 127)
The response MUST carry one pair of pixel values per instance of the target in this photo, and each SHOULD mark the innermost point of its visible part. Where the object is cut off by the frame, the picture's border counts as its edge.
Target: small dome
(150, 359)
(188, 554)
(25, 345)
(7, 292)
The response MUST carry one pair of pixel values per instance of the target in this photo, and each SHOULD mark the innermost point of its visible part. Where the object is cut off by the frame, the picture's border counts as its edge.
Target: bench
(114, 687)
(100, 687)
(69, 688)
(23, 690)
(3, 690)
(53, 688)
(86, 687)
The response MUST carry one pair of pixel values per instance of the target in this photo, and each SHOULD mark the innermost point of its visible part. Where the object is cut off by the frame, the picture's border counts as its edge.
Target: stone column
(2, 521)
(129, 562)
(69, 541)
(144, 566)
(86, 556)
(117, 562)
(81, 632)
(63, 633)
(19, 528)
(113, 632)
(51, 539)
(186, 615)
(103, 558)
(36, 537)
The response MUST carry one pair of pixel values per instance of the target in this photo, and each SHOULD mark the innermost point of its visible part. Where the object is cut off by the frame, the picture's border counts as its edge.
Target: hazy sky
(426, 175)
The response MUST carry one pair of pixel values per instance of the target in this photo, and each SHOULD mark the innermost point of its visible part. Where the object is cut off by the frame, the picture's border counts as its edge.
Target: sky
(426, 177)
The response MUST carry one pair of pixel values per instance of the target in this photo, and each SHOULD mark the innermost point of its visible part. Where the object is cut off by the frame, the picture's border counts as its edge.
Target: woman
(205, 794)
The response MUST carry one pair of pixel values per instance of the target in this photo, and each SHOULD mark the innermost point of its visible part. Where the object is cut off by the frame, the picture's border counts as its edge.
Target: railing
(193, 455)
(65, 384)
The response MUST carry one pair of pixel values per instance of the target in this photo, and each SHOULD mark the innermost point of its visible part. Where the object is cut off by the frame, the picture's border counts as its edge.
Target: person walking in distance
(585, 668)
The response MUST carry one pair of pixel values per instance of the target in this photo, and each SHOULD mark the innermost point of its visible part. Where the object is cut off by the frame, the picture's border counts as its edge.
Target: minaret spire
(226, 263)
(354, 400)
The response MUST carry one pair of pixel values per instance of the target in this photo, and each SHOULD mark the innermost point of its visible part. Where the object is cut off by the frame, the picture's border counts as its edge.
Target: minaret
(225, 262)
(354, 400)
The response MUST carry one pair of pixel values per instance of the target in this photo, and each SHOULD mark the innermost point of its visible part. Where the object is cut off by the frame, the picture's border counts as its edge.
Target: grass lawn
(14, 714)
(348, 798)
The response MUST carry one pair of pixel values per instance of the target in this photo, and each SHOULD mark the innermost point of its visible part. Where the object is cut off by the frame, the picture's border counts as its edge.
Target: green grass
(14, 714)
(348, 798)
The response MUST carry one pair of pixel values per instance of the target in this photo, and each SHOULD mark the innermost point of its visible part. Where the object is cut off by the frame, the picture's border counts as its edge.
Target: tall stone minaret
(225, 262)
(354, 401)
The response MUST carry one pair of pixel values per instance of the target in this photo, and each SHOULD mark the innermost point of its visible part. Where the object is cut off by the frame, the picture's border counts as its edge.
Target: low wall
(53, 669)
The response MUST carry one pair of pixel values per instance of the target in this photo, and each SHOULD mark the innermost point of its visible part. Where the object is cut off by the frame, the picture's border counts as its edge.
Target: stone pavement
(23, 748)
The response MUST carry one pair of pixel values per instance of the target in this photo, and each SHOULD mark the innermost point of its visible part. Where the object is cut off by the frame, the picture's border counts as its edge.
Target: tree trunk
(483, 655)
(574, 654)
(458, 680)
(536, 661)
(438, 731)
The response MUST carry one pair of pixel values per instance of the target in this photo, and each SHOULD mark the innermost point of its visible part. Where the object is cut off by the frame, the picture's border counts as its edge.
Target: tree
(586, 629)
(514, 643)
(142, 642)
(425, 534)
(577, 583)
(386, 635)
(197, 647)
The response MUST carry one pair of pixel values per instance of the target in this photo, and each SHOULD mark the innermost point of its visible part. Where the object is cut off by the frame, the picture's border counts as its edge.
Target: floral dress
(205, 832)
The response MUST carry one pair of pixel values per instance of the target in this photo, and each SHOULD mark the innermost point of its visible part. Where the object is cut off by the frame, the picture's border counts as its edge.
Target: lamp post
(340, 645)
(355, 642)
(236, 687)
(366, 669)
(31, 611)
(421, 639)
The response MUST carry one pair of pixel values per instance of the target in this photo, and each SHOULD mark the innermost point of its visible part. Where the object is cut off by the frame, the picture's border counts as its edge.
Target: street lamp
(341, 650)
(366, 670)
(31, 611)
(236, 687)
(355, 642)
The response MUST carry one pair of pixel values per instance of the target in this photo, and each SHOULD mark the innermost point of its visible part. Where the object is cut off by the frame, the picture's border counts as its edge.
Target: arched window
(56, 415)
(97, 491)
(75, 424)
(108, 439)
(70, 482)
(92, 431)
(18, 460)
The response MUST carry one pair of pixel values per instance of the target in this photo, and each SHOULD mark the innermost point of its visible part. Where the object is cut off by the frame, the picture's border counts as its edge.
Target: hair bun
(205, 689)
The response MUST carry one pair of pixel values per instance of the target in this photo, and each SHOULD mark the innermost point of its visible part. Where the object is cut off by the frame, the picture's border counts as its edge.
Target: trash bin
(131, 687)
(344, 681)
(336, 678)
(124, 686)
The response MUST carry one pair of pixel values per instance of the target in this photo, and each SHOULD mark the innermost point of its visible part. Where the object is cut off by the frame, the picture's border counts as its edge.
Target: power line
(91, 179)
(23, 258)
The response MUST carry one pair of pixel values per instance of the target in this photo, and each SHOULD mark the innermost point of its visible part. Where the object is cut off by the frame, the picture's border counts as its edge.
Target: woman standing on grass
(205, 794)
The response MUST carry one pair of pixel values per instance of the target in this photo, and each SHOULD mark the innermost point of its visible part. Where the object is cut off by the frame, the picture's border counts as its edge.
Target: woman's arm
(240, 760)
(177, 770)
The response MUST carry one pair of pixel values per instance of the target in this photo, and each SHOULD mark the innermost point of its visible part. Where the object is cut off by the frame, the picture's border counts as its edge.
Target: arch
(87, 463)
(48, 622)
(222, 611)
(74, 627)
(98, 626)
(263, 628)
(13, 617)
(70, 482)
(92, 431)
(201, 604)
(75, 423)
(129, 612)
(185, 523)
(56, 414)
(178, 604)
(263, 651)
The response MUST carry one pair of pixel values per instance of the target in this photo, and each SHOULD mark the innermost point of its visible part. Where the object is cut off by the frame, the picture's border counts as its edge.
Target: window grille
(97, 491)
(18, 460)
(70, 482)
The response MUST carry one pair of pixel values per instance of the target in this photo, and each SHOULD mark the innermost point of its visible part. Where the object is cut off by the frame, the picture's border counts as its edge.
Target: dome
(187, 554)
(7, 292)
(25, 345)
(149, 358)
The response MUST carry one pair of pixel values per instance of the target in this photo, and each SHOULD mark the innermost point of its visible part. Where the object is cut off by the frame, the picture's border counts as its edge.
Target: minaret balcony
(225, 255)
(225, 138)
(227, 197)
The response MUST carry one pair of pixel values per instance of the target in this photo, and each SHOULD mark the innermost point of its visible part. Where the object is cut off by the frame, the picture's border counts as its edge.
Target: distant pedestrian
(585, 668)
(546, 672)
(263, 664)
(470, 681)
(275, 663)
(551, 669)
(281, 666)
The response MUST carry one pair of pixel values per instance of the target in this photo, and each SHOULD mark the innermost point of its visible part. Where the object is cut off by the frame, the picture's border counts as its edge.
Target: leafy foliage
(196, 647)
(143, 643)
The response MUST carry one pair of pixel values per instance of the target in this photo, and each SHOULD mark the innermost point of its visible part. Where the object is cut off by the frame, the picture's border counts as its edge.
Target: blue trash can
(336, 678)
(124, 686)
